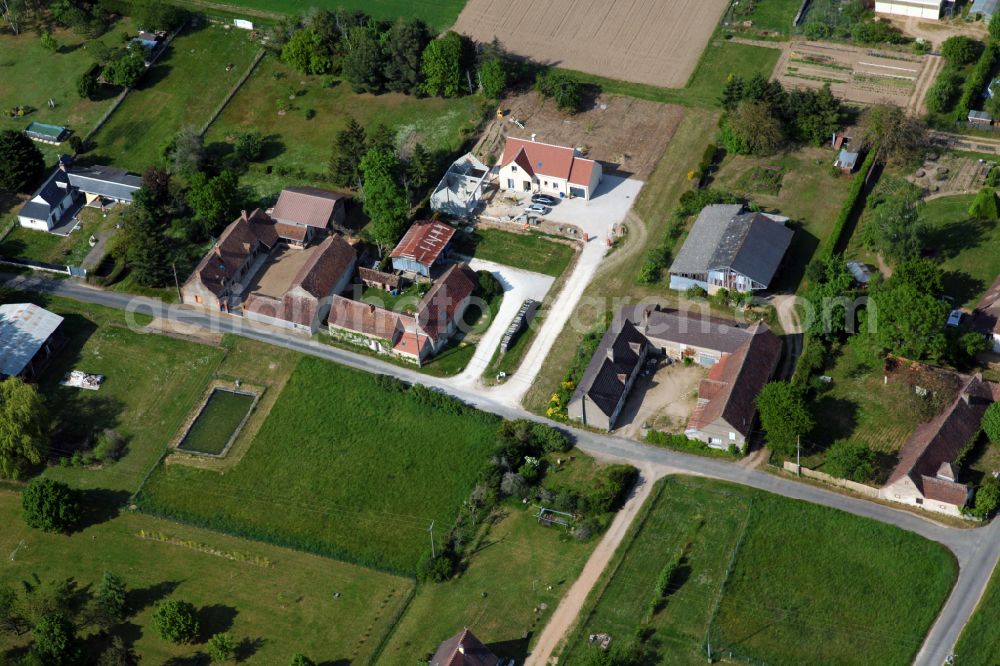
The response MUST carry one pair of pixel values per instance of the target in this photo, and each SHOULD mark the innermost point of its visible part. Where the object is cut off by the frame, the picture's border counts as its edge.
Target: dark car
(544, 199)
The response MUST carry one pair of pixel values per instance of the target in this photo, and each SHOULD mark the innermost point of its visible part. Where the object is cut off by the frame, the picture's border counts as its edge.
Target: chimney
(965, 397)
(461, 648)
(622, 377)
(218, 251)
(611, 353)
(533, 135)
(635, 347)
(243, 215)
(371, 308)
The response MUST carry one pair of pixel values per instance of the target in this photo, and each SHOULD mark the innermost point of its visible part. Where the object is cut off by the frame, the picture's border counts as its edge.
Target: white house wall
(915, 9)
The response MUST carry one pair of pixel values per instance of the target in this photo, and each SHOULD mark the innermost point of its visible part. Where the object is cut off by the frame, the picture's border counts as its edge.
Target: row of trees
(379, 56)
(761, 116)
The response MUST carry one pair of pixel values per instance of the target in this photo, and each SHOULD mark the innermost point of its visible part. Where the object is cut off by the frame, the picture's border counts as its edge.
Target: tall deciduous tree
(783, 416)
(752, 129)
(493, 78)
(384, 200)
(176, 621)
(24, 441)
(50, 506)
(306, 52)
(897, 137)
(186, 152)
(127, 68)
(21, 163)
(442, 66)
(906, 316)
(895, 229)
(363, 60)
(215, 201)
(55, 642)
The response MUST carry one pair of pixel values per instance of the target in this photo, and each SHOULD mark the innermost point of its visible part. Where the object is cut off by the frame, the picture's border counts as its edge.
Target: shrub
(249, 145)
(109, 446)
(696, 293)
(987, 499)
(850, 460)
(176, 621)
(300, 659)
(489, 286)
(960, 50)
(50, 506)
(984, 206)
(55, 640)
(549, 439)
(942, 95)
(221, 647)
(991, 422)
(562, 88)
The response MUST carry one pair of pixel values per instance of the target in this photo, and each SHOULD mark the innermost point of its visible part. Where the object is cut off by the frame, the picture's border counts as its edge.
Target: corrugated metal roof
(24, 330)
(986, 8)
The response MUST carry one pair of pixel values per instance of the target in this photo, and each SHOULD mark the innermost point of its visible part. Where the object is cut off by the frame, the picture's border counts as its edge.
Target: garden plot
(645, 41)
(855, 74)
(949, 174)
(218, 421)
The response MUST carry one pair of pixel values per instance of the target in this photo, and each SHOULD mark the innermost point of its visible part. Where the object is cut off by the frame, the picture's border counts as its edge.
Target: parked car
(955, 318)
(544, 199)
(537, 209)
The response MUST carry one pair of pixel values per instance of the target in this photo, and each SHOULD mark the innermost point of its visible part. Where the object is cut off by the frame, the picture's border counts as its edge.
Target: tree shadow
(65, 49)
(155, 74)
(248, 647)
(961, 286)
(516, 649)
(950, 239)
(215, 619)
(839, 417)
(272, 147)
(140, 599)
(884, 464)
(334, 662)
(196, 659)
(98, 505)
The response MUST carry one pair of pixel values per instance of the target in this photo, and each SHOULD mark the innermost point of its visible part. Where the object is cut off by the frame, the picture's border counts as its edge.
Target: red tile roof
(367, 319)
(731, 388)
(325, 268)
(439, 306)
(942, 438)
(463, 649)
(306, 205)
(233, 247)
(424, 242)
(412, 344)
(544, 159)
(291, 231)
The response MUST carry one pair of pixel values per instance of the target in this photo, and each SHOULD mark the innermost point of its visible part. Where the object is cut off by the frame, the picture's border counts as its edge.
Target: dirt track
(657, 42)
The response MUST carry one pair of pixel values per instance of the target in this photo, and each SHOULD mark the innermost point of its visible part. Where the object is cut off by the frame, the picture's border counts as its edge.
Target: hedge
(853, 196)
(976, 82)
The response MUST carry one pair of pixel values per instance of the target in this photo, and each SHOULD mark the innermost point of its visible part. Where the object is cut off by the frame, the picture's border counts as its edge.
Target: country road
(976, 550)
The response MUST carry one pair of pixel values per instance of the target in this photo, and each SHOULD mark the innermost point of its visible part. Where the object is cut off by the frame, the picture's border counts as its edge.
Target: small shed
(861, 273)
(379, 279)
(847, 161)
(980, 118)
(50, 134)
(423, 245)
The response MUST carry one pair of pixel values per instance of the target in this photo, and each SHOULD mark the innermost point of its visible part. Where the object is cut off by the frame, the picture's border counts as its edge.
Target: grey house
(104, 184)
(100, 186)
(729, 248)
(608, 379)
(459, 191)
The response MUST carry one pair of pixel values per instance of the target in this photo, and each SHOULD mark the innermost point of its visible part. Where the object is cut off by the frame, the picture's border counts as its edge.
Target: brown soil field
(626, 134)
(657, 42)
(856, 74)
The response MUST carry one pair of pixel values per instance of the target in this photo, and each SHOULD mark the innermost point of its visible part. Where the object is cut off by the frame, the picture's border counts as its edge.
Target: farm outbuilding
(424, 244)
(984, 9)
(925, 9)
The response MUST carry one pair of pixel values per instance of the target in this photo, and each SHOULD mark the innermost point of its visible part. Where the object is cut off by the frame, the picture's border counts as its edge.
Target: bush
(437, 569)
(977, 79)
(50, 506)
(176, 621)
(696, 293)
(562, 88)
(960, 50)
(987, 499)
(991, 422)
(942, 95)
(55, 641)
(249, 145)
(549, 439)
(489, 286)
(109, 446)
(850, 460)
(221, 647)
(984, 206)
(614, 489)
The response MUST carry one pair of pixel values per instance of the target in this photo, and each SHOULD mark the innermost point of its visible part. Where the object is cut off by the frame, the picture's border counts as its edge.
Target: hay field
(644, 41)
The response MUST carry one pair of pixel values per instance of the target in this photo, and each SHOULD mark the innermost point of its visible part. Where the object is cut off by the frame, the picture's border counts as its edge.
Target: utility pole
(431, 530)
(798, 455)
(180, 299)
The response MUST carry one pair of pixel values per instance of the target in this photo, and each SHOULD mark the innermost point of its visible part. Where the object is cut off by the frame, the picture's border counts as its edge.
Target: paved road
(976, 550)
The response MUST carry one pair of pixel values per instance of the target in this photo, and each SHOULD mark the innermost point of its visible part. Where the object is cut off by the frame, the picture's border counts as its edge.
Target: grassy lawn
(979, 644)
(279, 609)
(356, 471)
(720, 60)
(810, 195)
(520, 568)
(183, 88)
(776, 602)
(531, 251)
(298, 145)
(62, 250)
(772, 15)
(32, 75)
(151, 384)
(440, 14)
(217, 422)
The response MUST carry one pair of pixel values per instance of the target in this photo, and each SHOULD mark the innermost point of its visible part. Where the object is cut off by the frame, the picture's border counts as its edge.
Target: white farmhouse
(533, 167)
(925, 9)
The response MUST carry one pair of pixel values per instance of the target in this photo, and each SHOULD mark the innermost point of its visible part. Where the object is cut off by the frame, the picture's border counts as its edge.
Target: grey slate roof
(600, 380)
(105, 181)
(35, 211)
(724, 237)
(690, 329)
(24, 330)
(52, 191)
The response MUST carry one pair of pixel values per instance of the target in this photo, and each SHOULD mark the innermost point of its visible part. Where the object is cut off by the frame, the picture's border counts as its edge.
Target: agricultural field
(183, 88)
(274, 601)
(530, 251)
(349, 482)
(762, 599)
(22, 58)
(299, 147)
(799, 185)
(857, 74)
(979, 644)
(648, 42)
